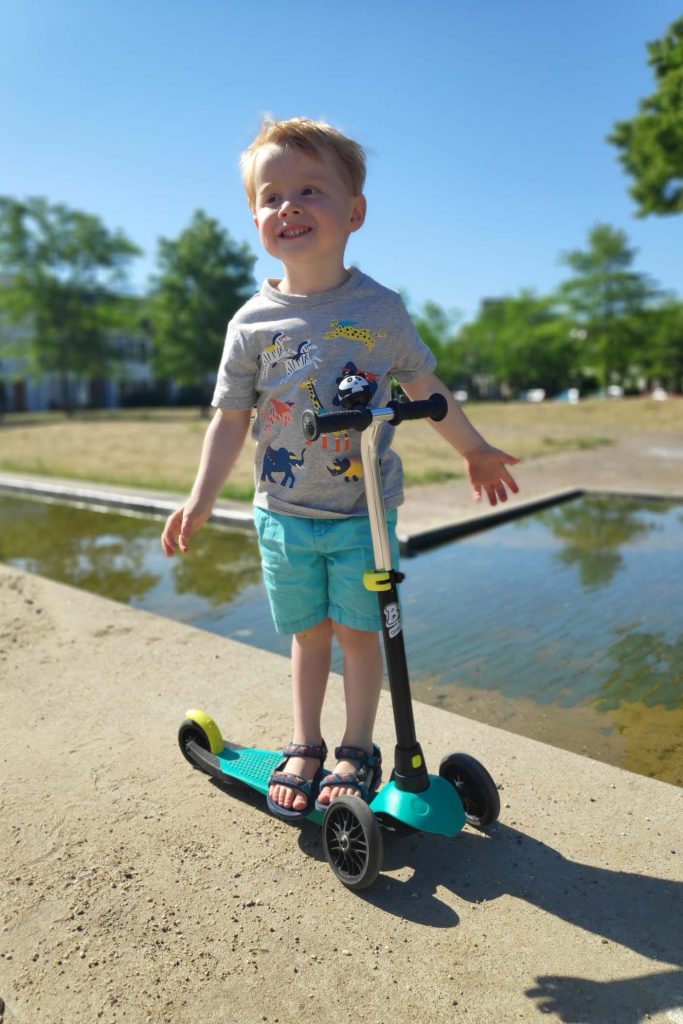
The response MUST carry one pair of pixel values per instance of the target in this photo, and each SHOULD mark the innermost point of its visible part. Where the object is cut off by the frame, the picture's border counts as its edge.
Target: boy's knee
(354, 639)
(320, 632)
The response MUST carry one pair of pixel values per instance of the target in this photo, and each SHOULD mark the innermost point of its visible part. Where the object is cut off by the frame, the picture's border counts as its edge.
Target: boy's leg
(363, 669)
(311, 656)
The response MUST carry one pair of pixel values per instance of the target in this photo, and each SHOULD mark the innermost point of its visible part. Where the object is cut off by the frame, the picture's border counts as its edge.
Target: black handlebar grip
(434, 408)
(316, 423)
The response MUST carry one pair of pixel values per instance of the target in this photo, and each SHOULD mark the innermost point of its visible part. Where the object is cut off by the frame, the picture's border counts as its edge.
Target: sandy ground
(134, 889)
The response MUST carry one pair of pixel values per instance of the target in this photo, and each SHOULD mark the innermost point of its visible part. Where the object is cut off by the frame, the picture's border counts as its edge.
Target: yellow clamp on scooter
(377, 580)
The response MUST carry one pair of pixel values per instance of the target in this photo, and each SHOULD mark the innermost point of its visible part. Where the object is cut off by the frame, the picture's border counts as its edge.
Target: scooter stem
(373, 488)
(410, 771)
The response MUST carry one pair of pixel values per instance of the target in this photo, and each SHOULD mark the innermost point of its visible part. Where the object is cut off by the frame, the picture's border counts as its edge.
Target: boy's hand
(180, 526)
(222, 444)
(487, 472)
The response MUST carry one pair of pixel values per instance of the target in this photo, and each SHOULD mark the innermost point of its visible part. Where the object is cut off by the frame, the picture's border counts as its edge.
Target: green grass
(413, 478)
(576, 443)
(159, 449)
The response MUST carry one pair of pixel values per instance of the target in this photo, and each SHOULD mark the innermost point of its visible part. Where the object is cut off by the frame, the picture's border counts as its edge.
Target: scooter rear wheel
(475, 787)
(352, 842)
(189, 731)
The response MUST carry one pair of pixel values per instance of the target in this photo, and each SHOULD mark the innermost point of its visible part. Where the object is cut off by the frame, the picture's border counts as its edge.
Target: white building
(131, 382)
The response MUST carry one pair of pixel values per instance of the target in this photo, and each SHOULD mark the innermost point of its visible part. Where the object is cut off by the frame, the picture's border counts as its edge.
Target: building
(131, 381)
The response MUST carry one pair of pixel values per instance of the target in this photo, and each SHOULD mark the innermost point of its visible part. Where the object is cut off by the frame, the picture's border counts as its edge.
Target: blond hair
(312, 138)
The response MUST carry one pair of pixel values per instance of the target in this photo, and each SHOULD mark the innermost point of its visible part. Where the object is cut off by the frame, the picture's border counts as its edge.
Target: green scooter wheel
(475, 787)
(352, 842)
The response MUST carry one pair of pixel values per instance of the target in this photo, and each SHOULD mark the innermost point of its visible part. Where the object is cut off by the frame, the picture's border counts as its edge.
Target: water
(564, 625)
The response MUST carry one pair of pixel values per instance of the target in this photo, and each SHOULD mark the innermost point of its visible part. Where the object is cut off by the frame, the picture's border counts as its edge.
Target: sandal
(366, 778)
(309, 787)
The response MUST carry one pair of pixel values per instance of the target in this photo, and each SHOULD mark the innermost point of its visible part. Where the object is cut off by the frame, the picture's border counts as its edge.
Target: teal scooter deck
(248, 765)
(437, 809)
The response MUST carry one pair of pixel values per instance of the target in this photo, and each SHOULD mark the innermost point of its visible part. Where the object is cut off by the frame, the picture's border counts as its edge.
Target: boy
(286, 350)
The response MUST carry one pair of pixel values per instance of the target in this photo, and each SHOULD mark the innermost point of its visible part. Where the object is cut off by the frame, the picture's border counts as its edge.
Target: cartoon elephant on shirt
(279, 460)
(350, 469)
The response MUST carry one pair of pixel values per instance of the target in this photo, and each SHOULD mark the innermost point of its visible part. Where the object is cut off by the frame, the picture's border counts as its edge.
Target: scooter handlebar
(434, 408)
(314, 424)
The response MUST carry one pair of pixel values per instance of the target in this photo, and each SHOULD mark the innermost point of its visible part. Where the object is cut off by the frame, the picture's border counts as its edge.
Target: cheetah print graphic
(349, 329)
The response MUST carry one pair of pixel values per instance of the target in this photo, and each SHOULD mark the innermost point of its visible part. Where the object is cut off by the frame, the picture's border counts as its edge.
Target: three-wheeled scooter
(412, 800)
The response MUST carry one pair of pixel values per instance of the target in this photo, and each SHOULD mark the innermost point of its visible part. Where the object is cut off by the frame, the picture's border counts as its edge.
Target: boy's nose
(288, 208)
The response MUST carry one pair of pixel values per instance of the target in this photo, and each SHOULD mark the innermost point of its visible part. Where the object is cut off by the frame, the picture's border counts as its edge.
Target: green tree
(651, 144)
(62, 274)
(204, 277)
(521, 342)
(660, 356)
(604, 296)
(438, 329)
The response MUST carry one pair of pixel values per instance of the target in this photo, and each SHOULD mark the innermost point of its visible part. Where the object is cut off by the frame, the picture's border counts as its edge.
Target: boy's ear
(358, 213)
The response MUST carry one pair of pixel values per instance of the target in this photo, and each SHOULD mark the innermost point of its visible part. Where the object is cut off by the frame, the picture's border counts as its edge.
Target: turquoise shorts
(313, 569)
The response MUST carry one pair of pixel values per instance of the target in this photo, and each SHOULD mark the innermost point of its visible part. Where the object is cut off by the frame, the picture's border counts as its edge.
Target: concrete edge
(409, 544)
(103, 498)
(414, 543)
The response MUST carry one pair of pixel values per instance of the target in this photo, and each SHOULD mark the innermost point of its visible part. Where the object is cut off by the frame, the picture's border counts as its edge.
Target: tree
(437, 328)
(521, 342)
(62, 273)
(660, 358)
(204, 277)
(651, 144)
(604, 296)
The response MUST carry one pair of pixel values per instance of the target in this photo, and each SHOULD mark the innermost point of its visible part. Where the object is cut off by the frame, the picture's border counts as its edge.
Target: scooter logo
(392, 619)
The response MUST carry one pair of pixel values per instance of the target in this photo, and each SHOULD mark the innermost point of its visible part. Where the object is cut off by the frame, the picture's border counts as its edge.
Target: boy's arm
(485, 464)
(222, 444)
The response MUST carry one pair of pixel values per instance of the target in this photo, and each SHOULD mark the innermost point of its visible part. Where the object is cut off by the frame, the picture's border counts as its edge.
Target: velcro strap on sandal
(358, 754)
(319, 753)
(292, 781)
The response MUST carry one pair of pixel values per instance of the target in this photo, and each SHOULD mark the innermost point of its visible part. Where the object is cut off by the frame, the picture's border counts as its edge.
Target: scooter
(412, 800)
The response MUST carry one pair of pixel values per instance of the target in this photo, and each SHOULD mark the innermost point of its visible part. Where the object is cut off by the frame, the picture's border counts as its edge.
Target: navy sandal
(309, 788)
(367, 777)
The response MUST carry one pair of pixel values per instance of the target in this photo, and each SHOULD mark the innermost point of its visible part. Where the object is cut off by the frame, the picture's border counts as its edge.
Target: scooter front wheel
(352, 842)
(475, 787)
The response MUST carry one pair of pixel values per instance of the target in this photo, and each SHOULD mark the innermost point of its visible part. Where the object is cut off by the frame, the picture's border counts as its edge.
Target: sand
(134, 889)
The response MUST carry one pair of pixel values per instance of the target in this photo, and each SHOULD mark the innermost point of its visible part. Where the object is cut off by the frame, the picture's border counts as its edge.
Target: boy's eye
(271, 199)
(308, 191)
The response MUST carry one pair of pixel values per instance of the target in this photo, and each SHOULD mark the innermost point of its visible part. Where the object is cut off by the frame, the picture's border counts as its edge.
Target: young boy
(286, 350)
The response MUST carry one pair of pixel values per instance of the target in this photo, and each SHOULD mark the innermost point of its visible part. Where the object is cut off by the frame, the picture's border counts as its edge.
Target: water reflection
(500, 625)
(101, 553)
(645, 667)
(218, 567)
(119, 556)
(593, 531)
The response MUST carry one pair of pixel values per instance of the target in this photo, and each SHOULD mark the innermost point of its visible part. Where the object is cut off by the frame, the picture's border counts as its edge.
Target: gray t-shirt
(287, 353)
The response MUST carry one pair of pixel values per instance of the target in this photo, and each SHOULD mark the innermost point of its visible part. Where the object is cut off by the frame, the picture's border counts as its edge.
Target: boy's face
(304, 210)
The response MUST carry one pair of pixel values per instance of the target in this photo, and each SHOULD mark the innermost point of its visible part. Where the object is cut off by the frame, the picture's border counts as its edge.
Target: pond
(564, 625)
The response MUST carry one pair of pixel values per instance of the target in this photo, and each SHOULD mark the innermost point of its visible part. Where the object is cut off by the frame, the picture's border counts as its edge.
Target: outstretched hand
(180, 526)
(487, 472)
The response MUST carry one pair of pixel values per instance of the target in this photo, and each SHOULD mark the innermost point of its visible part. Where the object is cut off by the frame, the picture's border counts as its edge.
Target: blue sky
(485, 123)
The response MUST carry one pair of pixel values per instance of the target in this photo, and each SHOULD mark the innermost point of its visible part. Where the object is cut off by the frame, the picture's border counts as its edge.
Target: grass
(158, 449)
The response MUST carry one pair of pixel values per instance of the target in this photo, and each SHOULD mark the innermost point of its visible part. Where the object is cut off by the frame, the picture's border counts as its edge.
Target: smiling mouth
(295, 232)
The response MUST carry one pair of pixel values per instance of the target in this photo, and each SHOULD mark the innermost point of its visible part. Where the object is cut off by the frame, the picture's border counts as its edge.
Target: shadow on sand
(637, 911)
